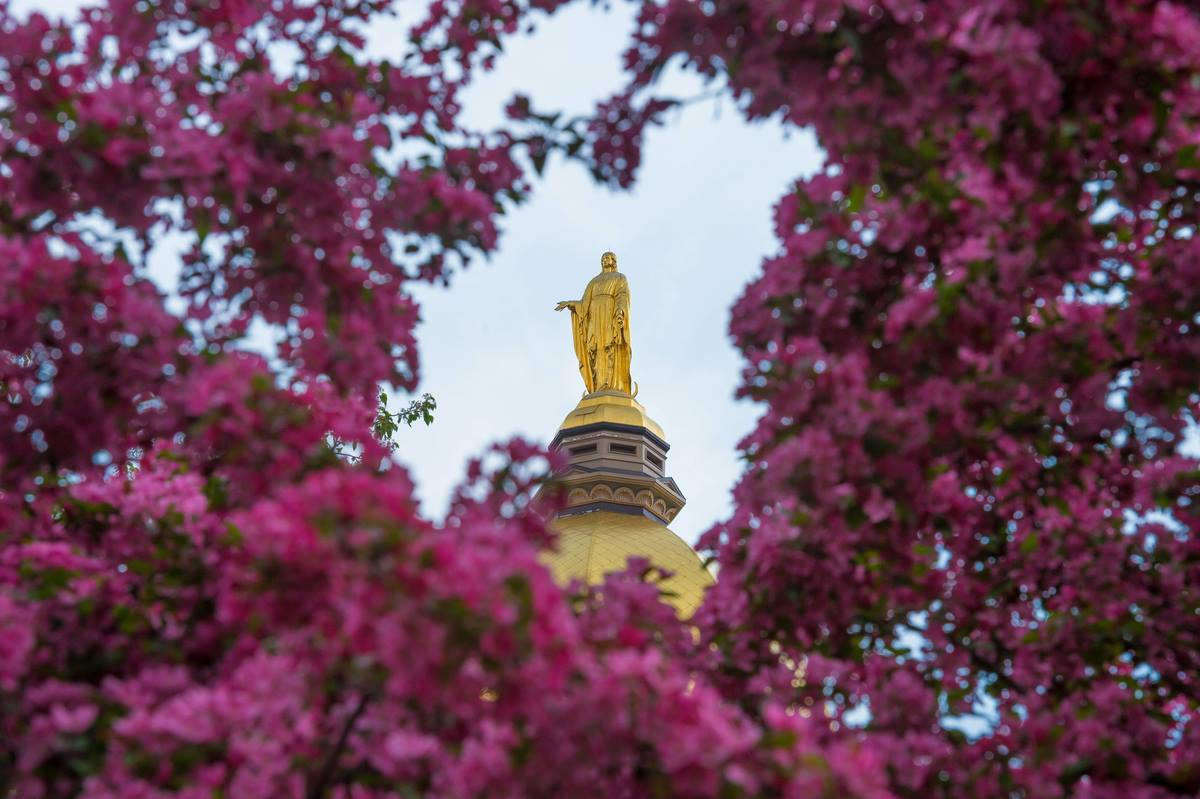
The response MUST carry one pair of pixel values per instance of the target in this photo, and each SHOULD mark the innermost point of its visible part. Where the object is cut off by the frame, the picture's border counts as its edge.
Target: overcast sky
(689, 236)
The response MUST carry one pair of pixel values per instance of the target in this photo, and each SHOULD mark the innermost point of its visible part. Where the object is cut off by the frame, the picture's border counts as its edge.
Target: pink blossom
(960, 557)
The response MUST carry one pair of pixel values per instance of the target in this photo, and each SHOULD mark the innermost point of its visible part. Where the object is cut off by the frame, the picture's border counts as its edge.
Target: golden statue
(600, 327)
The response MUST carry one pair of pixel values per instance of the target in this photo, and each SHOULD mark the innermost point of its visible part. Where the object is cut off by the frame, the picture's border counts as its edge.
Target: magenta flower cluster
(964, 558)
(201, 595)
(970, 507)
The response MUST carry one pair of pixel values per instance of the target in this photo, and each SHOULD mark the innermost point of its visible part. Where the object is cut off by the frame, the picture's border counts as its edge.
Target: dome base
(593, 544)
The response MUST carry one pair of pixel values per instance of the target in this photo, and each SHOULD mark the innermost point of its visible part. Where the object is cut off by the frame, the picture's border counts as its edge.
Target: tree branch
(329, 767)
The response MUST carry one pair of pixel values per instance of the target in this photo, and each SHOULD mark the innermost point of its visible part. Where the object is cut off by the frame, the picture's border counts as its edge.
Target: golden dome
(611, 407)
(597, 542)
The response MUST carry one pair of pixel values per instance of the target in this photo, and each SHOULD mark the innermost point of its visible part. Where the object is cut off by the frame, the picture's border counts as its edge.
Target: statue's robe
(601, 344)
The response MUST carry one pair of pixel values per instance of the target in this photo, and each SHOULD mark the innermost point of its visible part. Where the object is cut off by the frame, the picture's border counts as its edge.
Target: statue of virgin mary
(600, 328)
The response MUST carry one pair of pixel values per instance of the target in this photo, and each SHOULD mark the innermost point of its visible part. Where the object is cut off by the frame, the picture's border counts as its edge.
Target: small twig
(329, 767)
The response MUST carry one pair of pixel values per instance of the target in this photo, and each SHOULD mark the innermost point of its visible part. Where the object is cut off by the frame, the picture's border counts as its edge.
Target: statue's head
(608, 262)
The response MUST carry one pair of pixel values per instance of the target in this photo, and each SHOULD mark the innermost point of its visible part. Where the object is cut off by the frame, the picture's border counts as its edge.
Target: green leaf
(854, 200)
